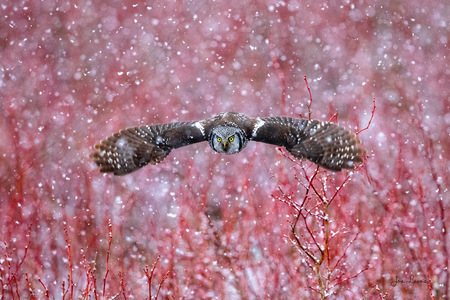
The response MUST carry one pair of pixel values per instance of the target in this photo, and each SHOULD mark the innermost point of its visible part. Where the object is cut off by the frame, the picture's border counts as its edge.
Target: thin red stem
(69, 258)
(161, 283)
(45, 289)
(122, 286)
(107, 255)
(149, 276)
(371, 118)
(310, 98)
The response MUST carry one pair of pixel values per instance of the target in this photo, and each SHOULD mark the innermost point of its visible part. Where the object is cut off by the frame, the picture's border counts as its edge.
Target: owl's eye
(231, 138)
(219, 139)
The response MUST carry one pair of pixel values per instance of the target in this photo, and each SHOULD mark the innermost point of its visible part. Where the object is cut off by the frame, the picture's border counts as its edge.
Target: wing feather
(323, 143)
(132, 148)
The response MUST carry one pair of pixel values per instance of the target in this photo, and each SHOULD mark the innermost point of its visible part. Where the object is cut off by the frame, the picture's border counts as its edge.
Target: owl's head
(227, 139)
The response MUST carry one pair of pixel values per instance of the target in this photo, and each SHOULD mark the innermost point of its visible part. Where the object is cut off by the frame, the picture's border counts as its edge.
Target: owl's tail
(329, 146)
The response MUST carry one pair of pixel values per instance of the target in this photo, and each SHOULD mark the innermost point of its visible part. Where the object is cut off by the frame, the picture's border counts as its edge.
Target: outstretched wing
(323, 143)
(133, 148)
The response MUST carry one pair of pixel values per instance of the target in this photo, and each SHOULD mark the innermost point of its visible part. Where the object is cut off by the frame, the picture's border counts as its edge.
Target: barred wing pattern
(133, 148)
(323, 143)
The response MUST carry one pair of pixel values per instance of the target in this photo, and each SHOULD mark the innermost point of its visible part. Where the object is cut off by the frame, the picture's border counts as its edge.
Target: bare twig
(47, 295)
(150, 275)
(352, 277)
(429, 151)
(69, 258)
(430, 287)
(26, 251)
(371, 118)
(122, 286)
(107, 255)
(316, 250)
(310, 98)
(334, 116)
(339, 188)
(345, 251)
(89, 278)
(161, 283)
(30, 287)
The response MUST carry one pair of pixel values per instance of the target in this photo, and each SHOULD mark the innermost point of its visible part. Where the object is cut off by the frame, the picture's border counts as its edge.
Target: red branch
(12, 277)
(149, 276)
(345, 251)
(352, 277)
(161, 283)
(310, 181)
(430, 287)
(90, 279)
(122, 286)
(26, 251)
(310, 98)
(315, 259)
(94, 282)
(45, 289)
(429, 151)
(70, 279)
(347, 178)
(30, 287)
(107, 255)
(335, 117)
(371, 118)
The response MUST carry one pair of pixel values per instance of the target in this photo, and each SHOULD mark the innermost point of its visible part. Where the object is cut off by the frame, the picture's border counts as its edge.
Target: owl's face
(227, 139)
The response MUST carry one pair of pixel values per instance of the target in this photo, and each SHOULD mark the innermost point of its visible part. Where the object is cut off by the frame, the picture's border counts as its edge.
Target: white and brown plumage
(323, 143)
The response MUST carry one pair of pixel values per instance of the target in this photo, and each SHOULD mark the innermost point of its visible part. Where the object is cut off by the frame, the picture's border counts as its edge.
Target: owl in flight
(326, 144)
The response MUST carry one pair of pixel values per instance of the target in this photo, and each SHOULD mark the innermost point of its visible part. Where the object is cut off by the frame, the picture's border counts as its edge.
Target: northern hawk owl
(323, 143)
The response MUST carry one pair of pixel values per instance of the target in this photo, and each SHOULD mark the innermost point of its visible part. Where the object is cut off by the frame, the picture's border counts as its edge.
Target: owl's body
(323, 143)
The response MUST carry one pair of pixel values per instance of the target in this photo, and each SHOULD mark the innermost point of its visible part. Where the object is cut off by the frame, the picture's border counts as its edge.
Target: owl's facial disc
(226, 139)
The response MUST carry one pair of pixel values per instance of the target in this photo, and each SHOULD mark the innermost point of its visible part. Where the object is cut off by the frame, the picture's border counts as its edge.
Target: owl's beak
(224, 144)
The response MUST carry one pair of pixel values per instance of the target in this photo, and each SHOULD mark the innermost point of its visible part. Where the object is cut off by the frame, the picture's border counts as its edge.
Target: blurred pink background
(73, 73)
